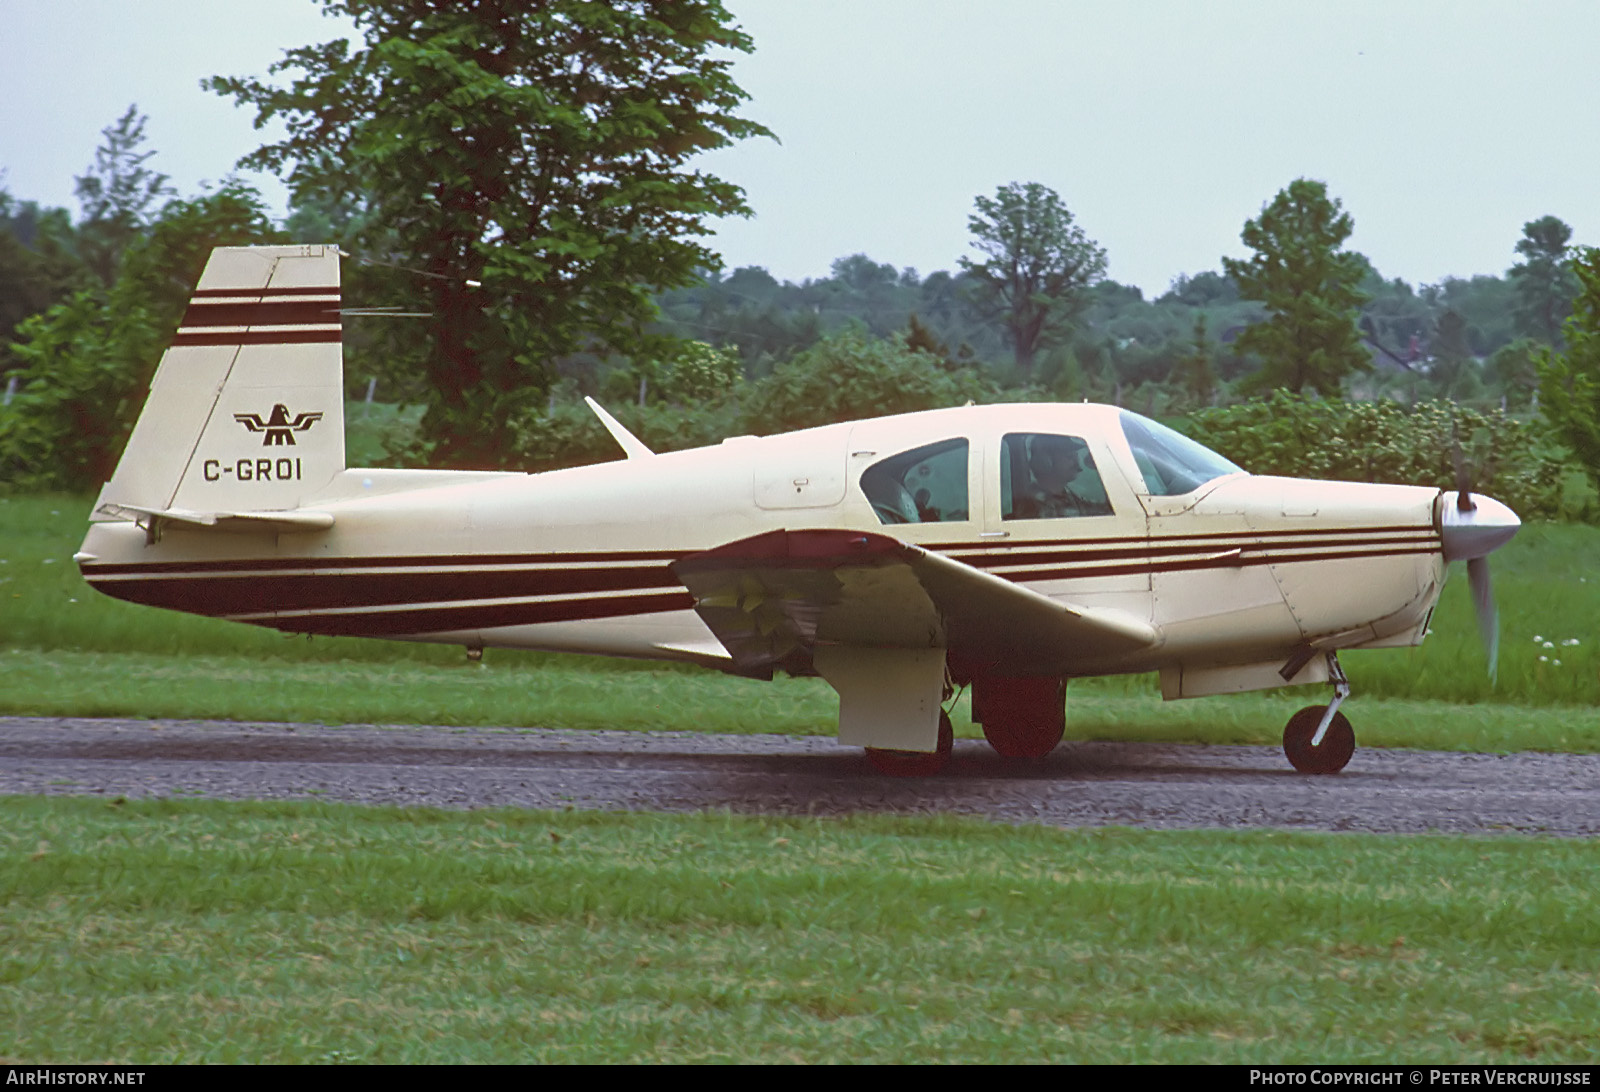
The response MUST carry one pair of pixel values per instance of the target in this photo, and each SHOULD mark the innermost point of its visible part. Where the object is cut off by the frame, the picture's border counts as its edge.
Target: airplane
(1001, 548)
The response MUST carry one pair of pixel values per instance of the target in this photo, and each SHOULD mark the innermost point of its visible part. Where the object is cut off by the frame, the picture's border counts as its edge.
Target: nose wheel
(1318, 739)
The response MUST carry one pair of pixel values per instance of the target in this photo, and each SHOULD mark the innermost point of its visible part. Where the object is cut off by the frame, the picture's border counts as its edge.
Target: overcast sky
(1441, 126)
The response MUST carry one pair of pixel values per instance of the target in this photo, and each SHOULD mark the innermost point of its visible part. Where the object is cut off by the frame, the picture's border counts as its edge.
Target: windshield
(1172, 464)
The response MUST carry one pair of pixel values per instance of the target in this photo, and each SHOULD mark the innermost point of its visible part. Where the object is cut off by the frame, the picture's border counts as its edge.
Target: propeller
(1488, 614)
(1473, 527)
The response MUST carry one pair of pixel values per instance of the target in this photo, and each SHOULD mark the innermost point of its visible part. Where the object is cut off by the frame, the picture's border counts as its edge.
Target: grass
(578, 693)
(151, 932)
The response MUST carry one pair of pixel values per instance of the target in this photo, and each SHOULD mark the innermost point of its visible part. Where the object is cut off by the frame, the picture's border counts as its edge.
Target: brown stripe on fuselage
(971, 552)
(253, 593)
(1041, 557)
(376, 561)
(1193, 564)
(234, 587)
(400, 623)
(1200, 541)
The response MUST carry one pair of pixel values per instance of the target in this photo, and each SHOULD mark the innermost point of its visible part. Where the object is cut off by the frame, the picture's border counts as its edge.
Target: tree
(1383, 441)
(1038, 267)
(39, 265)
(1543, 282)
(1451, 354)
(1309, 287)
(1569, 383)
(529, 159)
(89, 359)
(847, 376)
(118, 195)
(1514, 367)
(1194, 372)
(1202, 289)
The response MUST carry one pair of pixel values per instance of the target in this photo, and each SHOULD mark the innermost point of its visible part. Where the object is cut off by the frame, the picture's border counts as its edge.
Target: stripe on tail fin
(246, 411)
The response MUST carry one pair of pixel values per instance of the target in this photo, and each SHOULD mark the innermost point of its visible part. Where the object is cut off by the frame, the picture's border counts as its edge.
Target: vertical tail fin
(246, 411)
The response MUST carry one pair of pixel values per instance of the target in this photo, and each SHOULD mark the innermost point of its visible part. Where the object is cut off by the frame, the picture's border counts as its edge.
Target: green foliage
(87, 362)
(1310, 289)
(119, 195)
(768, 322)
(532, 161)
(1301, 437)
(1569, 383)
(1543, 281)
(689, 373)
(850, 376)
(1038, 266)
(39, 266)
(1515, 371)
(1194, 371)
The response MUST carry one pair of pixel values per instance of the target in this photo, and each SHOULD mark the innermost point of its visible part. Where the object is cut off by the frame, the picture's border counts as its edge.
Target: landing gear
(1021, 717)
(915, 763)
(1319, 739)
(1338, 742)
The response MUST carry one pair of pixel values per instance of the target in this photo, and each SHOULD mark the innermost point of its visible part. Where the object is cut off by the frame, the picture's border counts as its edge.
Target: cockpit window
(925, 485)
(1044, 476)
(1172, 464)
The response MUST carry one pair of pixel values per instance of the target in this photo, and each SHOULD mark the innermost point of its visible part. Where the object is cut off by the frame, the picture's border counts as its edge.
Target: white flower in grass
(1569, 642)
(1544, 659)
(1549, 644)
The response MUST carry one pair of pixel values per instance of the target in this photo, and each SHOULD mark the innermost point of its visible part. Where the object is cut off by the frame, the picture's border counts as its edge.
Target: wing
(305, 421)
(250, 421)
(773, 598)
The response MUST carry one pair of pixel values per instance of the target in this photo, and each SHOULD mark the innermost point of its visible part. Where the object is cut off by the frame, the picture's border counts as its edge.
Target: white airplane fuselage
(1240, 572)
(1009, 546)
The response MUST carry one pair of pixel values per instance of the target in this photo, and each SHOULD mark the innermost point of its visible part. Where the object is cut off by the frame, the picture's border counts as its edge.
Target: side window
(1044, 476)
(924, 485)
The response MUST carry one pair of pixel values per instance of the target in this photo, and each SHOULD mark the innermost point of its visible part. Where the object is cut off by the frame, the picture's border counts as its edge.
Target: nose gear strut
(1318, 739)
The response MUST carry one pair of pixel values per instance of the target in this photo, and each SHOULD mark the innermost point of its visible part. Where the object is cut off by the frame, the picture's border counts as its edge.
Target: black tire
(1023, 738)
(1335, 750)
(915, 763)
(1023, 717)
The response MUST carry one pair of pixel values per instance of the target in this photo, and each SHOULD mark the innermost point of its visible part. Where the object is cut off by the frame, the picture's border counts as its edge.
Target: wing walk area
(390, 596)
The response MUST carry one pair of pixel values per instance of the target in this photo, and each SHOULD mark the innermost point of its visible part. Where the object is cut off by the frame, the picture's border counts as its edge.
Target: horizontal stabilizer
(280, 522)
(773, 598)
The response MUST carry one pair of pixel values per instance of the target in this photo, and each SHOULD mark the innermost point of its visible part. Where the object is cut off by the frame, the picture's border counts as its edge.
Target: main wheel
(1329, 757)
(915, 763)
(1022, 717)
(1023, 738)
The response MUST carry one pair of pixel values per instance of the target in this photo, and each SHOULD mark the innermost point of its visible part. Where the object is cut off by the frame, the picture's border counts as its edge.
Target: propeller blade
(1488, 616)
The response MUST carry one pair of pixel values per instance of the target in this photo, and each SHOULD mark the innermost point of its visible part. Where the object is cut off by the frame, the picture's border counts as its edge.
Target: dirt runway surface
(1081, 784)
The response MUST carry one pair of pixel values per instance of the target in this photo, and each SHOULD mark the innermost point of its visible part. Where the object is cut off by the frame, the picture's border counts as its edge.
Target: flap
(772, 598)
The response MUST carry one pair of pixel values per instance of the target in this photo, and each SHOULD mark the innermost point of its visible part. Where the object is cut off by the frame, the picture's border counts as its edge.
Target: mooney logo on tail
(278, 428)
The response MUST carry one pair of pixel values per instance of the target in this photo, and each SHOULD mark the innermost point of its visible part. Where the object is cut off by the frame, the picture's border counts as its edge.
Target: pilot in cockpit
(1065, 481)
